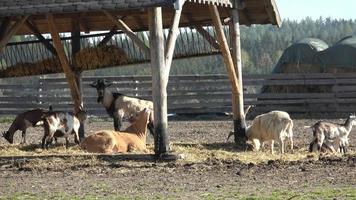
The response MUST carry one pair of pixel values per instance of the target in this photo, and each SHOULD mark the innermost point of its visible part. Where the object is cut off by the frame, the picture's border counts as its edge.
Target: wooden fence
(193, 94)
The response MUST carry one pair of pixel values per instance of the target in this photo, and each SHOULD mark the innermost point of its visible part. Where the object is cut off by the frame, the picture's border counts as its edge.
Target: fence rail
(194, 94)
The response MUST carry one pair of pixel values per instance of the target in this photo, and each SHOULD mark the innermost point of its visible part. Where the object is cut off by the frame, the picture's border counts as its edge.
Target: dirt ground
(324, 177)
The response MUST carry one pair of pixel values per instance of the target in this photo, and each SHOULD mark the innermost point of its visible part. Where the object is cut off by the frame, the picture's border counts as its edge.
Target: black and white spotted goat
(119, 106)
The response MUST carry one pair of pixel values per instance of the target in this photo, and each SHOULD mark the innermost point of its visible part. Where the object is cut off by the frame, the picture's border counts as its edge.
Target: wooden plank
(119, 23)
(206, 35)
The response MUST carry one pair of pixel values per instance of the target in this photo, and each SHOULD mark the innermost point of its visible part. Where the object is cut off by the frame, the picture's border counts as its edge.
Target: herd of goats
(268, 127)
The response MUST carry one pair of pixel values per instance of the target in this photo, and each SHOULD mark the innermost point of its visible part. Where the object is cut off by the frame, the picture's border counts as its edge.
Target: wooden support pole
(64, 63)
(119, 23)
(159, 81)
(78, 74)
(11, 31)
(171, 41)
(38, 34)
(229, 63)
(238, 110)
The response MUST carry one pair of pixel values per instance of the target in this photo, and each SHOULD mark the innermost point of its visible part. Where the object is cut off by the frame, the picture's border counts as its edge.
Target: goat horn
(248, 109)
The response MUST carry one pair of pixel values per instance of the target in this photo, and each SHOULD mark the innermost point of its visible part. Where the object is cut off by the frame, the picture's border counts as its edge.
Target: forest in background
(262, 46)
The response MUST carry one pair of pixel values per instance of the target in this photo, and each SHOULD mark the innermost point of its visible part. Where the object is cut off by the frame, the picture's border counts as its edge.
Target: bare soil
(327, 176)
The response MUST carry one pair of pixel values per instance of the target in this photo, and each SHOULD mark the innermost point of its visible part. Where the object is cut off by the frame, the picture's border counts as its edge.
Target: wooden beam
(108, 36)
(206, 35)
(5, 24)
(159, 81)
(39, 36)
(119, 23)
(64, 63)
(171, 40)
(11, 31)
(238, 102)
(229, 63)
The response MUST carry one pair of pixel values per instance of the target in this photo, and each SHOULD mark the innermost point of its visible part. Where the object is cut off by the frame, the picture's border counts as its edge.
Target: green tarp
(314, 52)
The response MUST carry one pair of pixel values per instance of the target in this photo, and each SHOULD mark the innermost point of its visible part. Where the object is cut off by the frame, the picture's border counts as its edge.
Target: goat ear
(107, 83)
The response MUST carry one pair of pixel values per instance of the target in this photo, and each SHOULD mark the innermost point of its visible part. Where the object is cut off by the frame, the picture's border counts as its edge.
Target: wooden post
(38, 34)
(239, 115)
(229, 63)
(159, 81)
(78, 74)
(64, 63)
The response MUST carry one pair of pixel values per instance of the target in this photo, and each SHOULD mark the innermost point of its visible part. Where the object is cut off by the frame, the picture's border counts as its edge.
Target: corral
(210, 167)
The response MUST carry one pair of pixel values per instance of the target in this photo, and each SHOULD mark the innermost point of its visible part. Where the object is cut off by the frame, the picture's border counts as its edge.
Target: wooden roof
(132, 12)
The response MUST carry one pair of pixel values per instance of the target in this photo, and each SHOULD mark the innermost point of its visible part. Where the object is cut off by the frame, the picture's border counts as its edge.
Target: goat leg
(23, 137)
(151, 127)
(117, 123)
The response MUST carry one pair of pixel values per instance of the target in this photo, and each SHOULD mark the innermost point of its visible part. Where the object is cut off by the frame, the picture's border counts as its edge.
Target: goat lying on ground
(132, 139)
(119, 106)
(23, 121)
(275, 125)
(63, 122)
(332, 135)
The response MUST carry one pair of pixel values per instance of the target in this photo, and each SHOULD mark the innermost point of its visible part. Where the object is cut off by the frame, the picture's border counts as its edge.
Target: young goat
(61, 122)
(119, 106)
(275, 125)
(132, 139)
(331, 134)
(23, 121)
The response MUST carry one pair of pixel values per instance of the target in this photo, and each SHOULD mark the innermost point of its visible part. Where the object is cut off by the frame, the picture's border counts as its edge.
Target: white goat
(275, 125)
(119, 106)
(331, 134)
(63, 122)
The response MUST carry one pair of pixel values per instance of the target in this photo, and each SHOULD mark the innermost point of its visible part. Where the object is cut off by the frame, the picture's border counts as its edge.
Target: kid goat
(119, 106)
(275, 125)
(331, 134)
(56, 122)
(23, 121)
(132, 139)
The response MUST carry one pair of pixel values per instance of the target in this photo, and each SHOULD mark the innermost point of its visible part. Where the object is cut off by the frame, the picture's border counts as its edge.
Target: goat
(132, 139)
(56, 122)
(275, 125)
(119, 106)
(332, 134)
(23, 121)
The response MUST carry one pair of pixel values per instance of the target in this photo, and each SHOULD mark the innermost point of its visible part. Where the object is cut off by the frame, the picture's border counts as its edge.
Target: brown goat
(132, 139)
(22, 122)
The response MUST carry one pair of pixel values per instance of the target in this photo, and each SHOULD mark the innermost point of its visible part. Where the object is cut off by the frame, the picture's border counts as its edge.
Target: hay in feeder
(99, 57)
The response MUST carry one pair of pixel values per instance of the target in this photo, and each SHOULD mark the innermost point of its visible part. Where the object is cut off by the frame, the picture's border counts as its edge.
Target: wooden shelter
(130, 17)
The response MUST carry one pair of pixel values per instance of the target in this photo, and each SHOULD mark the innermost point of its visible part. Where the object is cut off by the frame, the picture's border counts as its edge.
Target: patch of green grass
(8, 119)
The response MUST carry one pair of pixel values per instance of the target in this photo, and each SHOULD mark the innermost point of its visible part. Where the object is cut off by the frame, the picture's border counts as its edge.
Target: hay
(86, 59)
(99, 57)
